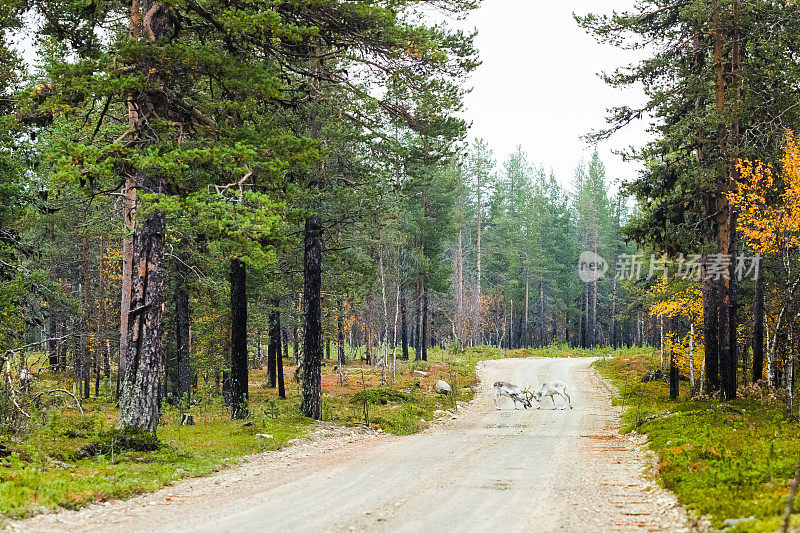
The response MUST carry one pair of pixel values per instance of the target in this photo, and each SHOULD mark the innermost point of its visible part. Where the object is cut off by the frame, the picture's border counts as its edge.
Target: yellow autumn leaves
(681, 298)
(769, 219)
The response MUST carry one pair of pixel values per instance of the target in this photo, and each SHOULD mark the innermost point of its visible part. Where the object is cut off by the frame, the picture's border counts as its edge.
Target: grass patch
(71, 461)
(723, 459)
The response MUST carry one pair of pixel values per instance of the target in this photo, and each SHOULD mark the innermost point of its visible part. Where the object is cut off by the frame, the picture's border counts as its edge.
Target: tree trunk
(478, 324)
(239, 366)
(285, 343)
(526, 333)
(273, 349)
(340, 334)
(424, 336)
(459, 318)
(275, 346)
(401, 291)
(593, 331)
(725, 218)
(542, 317)
(182, 339)
(54, 319)
(139, 400)
(661, 341)
(127, 273)
(367, 348)
(613, 318)
(710, 330)
(311, 405)
(673, 368)
(85, 354)
(758, 324)
(417, 321)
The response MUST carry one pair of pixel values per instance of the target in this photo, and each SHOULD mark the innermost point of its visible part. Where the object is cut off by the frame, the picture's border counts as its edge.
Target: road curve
(521, 470)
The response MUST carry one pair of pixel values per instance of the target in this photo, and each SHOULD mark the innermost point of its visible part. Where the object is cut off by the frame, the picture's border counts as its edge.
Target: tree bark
(367, 348)
(593, 330)
(710, 330)
(183, 339)
(85, 354)
(459, 289)
(55, 316)
(239, 358)
(424, 336)
(311, 404)
(725, 218)
(341, 358)
(129, 201)
(139, 392)
(143, 355)
(758, 325)
(673, 368)
(542, 317)
(273, 349)
(275, 346)
(401, 291)
(478, 324)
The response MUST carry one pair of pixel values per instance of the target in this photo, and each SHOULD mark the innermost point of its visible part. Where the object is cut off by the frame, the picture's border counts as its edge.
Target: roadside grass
(722, 459)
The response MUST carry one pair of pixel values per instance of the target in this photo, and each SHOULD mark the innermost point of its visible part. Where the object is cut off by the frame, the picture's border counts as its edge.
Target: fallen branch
(64, 391)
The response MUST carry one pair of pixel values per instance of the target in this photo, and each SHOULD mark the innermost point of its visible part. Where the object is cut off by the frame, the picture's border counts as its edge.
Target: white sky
(538, 85)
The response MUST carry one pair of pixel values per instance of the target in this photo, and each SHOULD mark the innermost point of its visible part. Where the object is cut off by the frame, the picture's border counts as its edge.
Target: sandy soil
(522, 470)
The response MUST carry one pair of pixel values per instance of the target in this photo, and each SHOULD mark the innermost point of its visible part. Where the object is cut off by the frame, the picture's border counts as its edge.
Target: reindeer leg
(569, 400)
(495, 400)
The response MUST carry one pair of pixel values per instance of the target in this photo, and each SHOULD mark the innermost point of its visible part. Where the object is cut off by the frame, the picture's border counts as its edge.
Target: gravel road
(519, 470)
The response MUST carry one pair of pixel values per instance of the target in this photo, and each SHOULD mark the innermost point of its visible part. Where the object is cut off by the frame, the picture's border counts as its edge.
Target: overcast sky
(538, 84)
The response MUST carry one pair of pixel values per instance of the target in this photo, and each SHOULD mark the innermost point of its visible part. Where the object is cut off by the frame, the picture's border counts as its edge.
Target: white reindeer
(504, 388)
(550, 389)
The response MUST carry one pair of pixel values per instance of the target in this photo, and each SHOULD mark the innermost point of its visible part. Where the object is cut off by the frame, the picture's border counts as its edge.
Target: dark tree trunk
(710, 329)
(53, 325)
(285, 343)
(275, 347)
(424, 336)
(273, 350)
(340, 334)
(613, 319)
(182, 341)
(367, 349)
(542, 317)
(673, 368)
(418, 322)
(403, 320)
(239, 362)
(311, 405)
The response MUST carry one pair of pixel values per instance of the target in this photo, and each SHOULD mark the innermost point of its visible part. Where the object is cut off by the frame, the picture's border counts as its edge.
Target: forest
(215, 205)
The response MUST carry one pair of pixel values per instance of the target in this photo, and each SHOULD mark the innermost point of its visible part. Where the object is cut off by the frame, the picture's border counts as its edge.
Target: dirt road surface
(519, 470)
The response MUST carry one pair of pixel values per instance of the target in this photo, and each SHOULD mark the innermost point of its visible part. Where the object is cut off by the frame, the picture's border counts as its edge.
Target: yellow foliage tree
(768, 204)
(681, 297)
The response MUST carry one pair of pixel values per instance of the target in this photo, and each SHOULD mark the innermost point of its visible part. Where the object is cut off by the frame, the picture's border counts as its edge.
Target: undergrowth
(722, 459)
